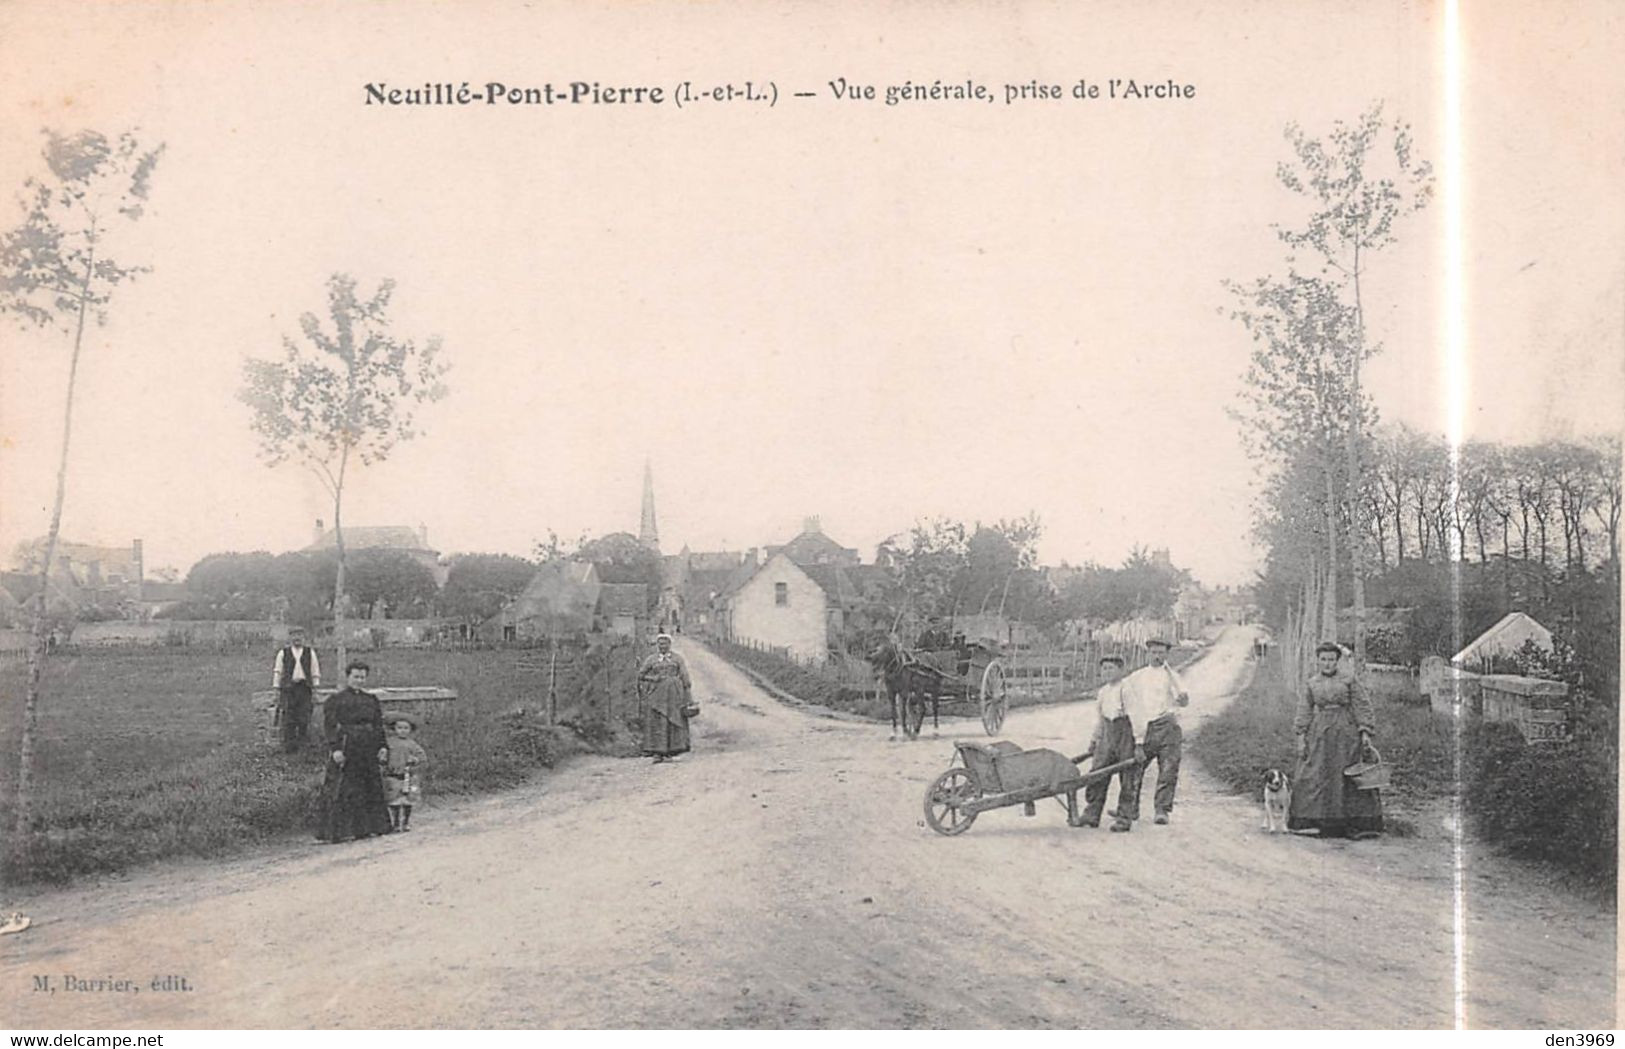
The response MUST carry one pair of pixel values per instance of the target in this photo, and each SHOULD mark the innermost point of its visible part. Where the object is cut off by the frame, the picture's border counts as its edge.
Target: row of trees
(1555, 503)
(300, 586)
(945, 570)
(1455, 536)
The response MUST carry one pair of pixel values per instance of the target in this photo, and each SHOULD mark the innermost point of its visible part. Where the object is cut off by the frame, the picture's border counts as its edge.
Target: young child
(403, 769)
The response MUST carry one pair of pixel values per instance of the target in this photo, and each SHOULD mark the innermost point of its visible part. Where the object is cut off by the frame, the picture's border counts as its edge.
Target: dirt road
(781, 876)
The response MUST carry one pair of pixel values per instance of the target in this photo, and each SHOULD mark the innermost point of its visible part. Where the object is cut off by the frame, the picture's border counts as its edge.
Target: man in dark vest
(295, 676)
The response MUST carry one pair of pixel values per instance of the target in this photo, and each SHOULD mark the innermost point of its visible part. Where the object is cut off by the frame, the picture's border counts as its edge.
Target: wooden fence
(1073, 672)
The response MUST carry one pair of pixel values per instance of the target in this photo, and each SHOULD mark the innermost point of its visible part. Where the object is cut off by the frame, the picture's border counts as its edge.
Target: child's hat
(400, 715)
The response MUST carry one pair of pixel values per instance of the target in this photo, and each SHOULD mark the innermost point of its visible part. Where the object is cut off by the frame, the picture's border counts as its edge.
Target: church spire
(648, 533)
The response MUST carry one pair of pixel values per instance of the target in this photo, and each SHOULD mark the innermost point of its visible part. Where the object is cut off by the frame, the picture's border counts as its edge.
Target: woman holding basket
(663, 695)
(1334, 725)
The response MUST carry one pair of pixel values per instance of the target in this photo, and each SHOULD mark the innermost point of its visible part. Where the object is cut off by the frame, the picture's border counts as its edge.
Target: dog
(1277, 800)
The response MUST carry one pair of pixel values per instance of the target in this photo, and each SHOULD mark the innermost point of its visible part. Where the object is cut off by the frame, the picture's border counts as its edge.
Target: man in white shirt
(1152, 697)
(1116, 739)
(295, 675)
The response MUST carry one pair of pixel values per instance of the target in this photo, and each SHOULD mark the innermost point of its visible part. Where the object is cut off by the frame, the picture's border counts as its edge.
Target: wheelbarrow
(998, 775)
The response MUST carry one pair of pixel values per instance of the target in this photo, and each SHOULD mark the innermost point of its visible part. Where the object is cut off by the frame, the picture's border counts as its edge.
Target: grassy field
(145, 753)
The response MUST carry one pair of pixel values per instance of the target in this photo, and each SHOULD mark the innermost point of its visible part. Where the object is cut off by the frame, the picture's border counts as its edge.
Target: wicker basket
(1369, 775)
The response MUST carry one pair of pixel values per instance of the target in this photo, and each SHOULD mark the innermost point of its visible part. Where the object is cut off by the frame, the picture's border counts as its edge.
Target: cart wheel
(995, 697)
(913, 714)
(944, 797)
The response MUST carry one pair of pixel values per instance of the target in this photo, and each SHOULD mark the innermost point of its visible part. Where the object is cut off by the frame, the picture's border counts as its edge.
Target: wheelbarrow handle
(1106, 771)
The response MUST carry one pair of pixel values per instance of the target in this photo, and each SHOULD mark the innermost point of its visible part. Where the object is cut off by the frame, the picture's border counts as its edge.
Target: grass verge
(148, 754)
(1555, 803)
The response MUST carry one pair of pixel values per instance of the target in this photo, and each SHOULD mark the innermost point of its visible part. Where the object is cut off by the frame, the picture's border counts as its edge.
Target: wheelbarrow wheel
(944, 798)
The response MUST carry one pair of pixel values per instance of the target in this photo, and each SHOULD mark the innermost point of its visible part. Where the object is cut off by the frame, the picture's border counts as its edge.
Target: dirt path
(781, 876)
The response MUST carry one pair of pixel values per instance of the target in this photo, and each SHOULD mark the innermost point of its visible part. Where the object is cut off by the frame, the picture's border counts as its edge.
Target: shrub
(1555, 802)
(1388, 643)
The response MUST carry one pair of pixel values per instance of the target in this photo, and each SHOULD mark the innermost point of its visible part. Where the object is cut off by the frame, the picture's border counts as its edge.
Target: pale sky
(869, 313)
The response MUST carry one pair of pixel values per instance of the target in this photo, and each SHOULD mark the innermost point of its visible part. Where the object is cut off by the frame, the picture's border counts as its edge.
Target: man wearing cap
(1152, 697)
(1117, 739)
(295, 674)
(663, 694)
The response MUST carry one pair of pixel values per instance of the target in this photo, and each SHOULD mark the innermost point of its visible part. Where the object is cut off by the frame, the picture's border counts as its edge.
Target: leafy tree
(478, 585)
(351, 391)
(257, 585)
(1153, 587)
(56, 271)
(1297, 402)
(554, 549)
(402, 583)
(222, 575)
(929, 570)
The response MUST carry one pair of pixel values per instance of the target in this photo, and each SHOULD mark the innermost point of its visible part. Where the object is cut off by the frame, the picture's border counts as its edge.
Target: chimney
(136, 561)
(423, 536)
(320, 531)
(811, 525)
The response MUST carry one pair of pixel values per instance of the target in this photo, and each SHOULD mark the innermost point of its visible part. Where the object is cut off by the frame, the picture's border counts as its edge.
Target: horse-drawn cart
(972, 674)
(996, 775)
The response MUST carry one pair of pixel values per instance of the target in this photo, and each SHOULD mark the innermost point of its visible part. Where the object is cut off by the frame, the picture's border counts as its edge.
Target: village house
(813, 547)
(407, 540)
(777, 606)
(1202, 612)
(89, 580)
(1502, 641)
(66, 596)
(692, 582)
(803, 598)
(561, 600)
(622, 608)
(90, 565)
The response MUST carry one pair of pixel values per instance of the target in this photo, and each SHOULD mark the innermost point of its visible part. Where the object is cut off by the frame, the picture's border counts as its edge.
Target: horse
(909, 683)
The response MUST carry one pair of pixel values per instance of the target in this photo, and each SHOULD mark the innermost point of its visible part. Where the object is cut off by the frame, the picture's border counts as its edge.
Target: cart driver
(934, 636)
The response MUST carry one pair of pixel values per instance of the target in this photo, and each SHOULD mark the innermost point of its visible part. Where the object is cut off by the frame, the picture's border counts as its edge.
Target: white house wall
(798, 625)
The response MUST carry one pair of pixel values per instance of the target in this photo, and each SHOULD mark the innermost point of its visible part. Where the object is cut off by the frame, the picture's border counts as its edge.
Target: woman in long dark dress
(663, 692)
(352, 800)
(1334, 726)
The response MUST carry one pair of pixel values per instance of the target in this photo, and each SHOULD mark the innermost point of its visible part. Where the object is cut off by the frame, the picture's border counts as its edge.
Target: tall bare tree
(1358, 181)
(1481, 468)
(56, 271)
(1607, 506)
(346, 393)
